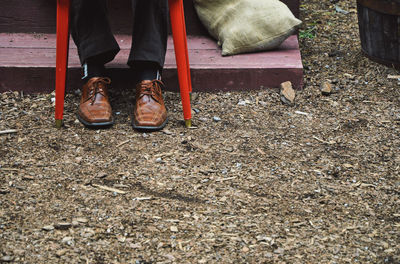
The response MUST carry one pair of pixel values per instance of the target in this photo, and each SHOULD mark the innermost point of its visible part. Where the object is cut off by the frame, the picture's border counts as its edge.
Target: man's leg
(147, 57)
(150, 34)
(91, 32)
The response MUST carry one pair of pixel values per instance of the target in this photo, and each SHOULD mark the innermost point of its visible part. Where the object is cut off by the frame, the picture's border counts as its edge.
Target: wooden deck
(27, 53)
(27, 63)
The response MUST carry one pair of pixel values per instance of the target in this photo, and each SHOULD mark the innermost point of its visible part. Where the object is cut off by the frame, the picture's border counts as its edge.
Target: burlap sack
(242, 26)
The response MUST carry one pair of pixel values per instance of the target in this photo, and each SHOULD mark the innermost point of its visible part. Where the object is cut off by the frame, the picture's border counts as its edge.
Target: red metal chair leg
(63, 7)
(182, 58)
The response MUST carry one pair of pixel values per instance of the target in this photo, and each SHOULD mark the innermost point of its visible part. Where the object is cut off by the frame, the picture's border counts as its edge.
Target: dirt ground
(256, 181)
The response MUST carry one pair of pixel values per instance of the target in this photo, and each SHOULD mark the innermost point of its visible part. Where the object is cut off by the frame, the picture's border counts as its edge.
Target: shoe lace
(152, 89)
(98, 88)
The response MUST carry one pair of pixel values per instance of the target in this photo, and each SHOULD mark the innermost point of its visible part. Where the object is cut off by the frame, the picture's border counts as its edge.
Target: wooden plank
(391, 38)
(199, 59)
(376, 34)
(210, 71)
(41, 80)
(24, 40)
(203, 54)
(27, 16)
(360, 14)
(367, 31)
(387, 7)
(398, 35)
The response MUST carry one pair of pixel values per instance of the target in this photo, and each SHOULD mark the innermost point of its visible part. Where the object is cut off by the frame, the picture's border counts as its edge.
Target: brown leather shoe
(94, 108)
(149, 112)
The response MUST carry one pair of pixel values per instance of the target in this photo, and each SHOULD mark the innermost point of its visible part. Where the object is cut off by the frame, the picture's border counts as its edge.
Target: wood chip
(7, 259)
(323, 141)
(48, 228)
(63, 226)
(81, 220)
(167, 132)
(4, 191)
(326, 88)
(287, 93)
(349, 76)
(61, 252)
(245, 249)
(101, 175)
(121, 239)
(110, 189)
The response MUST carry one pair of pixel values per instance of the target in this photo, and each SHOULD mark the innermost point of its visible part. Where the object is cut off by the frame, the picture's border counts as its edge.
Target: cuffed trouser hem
(101, 50)
(145, 64)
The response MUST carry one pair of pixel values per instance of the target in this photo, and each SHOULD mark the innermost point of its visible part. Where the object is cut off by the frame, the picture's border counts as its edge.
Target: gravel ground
(256, 181)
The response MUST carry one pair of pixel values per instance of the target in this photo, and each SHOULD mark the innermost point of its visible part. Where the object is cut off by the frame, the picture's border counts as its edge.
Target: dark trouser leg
(150, 33)
(91, 31)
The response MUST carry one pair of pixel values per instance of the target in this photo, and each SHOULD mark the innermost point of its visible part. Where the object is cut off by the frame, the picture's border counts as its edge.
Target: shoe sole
(95, 125)
(149, 128)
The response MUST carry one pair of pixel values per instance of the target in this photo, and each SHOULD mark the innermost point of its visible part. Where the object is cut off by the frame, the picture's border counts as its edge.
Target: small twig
(374, 102)
(323, 141)
(228, 234)
(142, 198)
(9, 169)
(302, 113)
(225, 179)
(260, 151)
(110, 189)
(164, 155)
(320, 140)
(10, 131)
(38, 127)
(123, 143)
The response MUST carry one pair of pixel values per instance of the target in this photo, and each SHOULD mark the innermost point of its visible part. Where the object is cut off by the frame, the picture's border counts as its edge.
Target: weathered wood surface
(40, 16)
(210, 71)
(380, 36)
(388, 7)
